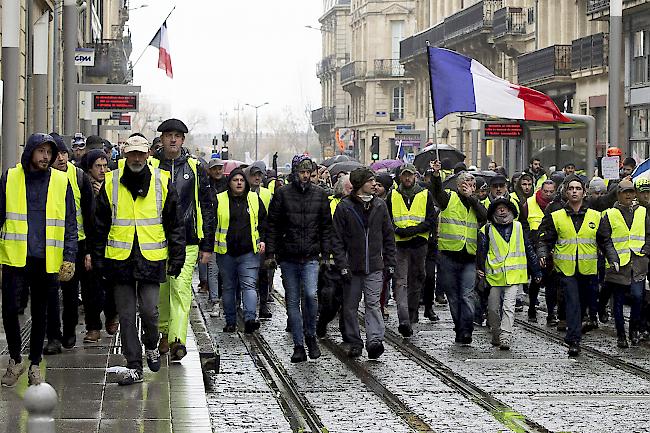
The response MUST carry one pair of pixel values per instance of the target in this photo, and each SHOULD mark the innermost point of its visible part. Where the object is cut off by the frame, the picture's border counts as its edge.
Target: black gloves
(346, 275)
(174, 269)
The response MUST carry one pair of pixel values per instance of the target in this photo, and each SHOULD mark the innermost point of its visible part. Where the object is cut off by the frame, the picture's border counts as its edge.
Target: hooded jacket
(36, 186)
(182, 177)
(238, 238)
(136, 267)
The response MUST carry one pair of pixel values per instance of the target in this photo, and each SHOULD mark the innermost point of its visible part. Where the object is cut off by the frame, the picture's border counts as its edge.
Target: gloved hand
(270, 262)
(399, 231)
(346, 276)
(174, 270)
(66, 272)
(616, 266)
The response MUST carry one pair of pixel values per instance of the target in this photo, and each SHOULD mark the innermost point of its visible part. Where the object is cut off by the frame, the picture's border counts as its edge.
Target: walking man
(299, 232)
(139, 242)
(38, 246)
(364, 250)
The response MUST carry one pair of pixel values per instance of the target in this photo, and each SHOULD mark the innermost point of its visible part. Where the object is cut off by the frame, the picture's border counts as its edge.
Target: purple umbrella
(387, 164)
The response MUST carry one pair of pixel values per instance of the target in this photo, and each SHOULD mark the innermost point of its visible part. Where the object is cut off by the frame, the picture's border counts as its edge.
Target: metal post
(558, 147)
(475, 126)
(56, 42)
(41, 50)
(256, 133)
(10, 75)
(70, 31)
(40, 402)
(615, 64)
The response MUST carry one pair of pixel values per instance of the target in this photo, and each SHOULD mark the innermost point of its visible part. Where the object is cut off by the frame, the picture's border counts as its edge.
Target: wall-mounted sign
(503, 130)
(84, 57)
(115, 102)
(125, 120)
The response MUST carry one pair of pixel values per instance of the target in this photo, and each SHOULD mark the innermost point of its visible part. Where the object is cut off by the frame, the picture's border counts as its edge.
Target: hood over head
(493, 207)
(33, 142)
(236, 171)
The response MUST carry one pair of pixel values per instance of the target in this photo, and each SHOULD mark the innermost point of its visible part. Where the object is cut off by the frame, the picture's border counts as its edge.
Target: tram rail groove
(301, 415)
(613, 361)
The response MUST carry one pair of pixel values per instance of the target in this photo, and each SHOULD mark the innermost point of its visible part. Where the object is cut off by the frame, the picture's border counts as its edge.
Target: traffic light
(215, 142)
(374, 148)
(224, 152)
(224, 137)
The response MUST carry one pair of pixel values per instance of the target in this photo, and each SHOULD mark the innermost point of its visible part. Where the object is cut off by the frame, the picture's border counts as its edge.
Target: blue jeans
(297, 276)
(203, 272)
(573, 286)
(213, 278)
(239, 272)
(636, 290)
(458, 281)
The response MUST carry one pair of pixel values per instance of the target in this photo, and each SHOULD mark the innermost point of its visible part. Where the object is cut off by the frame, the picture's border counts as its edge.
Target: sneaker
(230, 328)
(634, 338)
(354, 352)
(519, 306)
(177, 351)
(385, 315)
(13, 373)
(532, 315)
(215, 310)
(34, 375)
(312, 347)
(92, 336)
(405, 330)
(203, 287)
(561, 325)
(603, 316)
(551, 320)
(299, 354)
(622, 343)
(466, 340)
(441, 299)
(251, 326)
(153, 359)
(495, 341)
(589, 325)
(574, 349)
(375, 350)
(505, 344)
(131, 376)
(163, 344)
(53, 347)
(265, 313)
(111, 326)
(431, 315)
(69, 342)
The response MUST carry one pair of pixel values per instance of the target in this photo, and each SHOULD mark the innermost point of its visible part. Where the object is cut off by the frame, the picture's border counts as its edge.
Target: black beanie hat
(60, 144)
(359, 176)
(385, 180)
(90, 157)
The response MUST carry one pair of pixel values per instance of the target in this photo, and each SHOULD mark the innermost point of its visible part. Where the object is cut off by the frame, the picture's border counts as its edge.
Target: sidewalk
(172, 400)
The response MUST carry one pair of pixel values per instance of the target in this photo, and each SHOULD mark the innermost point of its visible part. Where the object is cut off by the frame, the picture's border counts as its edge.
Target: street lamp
(256, 107)
(139, 7)
(320, 29)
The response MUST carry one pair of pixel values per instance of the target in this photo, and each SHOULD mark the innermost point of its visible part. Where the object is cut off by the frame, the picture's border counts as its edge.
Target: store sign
(503, 130)
(84, 57)
(114, 102)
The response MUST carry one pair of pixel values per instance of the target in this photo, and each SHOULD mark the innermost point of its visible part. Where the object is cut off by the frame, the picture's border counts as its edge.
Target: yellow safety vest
(540, 181)
(627, 241)
(404, 217)
(576, 249)
(13, 237)
(271, 186)
(535, 213)
(142, 216)
(444, 174)
(334, 201)
(155, 162)
(457, 226)
(506, 262)
(74, 176)
(266, 196)
(223, 221)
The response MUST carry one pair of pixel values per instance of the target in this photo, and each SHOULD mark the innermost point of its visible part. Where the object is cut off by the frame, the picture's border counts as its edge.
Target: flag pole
(433, 107)
(147, 46)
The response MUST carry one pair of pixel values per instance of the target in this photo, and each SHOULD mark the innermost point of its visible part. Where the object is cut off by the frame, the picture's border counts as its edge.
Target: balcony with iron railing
(509, 21)
(323, 116)
(599, 9)
(547, 64)
(589, 52)
(417, 44)
(353, 71)
(325, 65)
(385, 68)
(594, 6)
(640, 71)
(478, 17)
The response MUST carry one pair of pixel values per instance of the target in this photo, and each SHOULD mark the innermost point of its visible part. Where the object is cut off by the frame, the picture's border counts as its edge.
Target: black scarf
(136, 183)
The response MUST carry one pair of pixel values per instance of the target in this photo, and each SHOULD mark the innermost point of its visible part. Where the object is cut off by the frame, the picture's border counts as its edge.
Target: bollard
(40, 402)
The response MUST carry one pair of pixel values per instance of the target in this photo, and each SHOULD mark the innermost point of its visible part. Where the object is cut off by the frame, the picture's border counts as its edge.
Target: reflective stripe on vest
(457, 226)
(535, 213)
(576, 249)
(266, 196)
(75, 176)
(506, 262)
(142, 216)
(627, 241)
(223, 221)
(13, 237)
(404, 217)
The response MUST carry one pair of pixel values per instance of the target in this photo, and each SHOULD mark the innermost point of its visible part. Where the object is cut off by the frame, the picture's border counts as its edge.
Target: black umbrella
(338, 158)
(450, 182)
(428, 154)
(346, 166)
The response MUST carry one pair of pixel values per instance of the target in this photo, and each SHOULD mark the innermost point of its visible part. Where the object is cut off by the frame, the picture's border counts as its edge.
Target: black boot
(251, 326)
(405, 330)
(312, 347)
(430, 314)
(53, 347)
(299, 354)
(574, 349)
(265, 313)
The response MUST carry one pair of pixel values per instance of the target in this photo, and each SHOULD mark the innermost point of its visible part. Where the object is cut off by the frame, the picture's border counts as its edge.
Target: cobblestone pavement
(535, 379)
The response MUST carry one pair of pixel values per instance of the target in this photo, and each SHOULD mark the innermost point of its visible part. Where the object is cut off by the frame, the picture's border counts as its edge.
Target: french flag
(461, 84)
(161, 41)
(642, 171)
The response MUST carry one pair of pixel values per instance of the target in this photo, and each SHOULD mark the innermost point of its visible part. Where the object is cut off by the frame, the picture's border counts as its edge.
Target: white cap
(136, 143)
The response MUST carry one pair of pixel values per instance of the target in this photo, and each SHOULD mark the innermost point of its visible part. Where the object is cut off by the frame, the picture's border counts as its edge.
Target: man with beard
(536, 170)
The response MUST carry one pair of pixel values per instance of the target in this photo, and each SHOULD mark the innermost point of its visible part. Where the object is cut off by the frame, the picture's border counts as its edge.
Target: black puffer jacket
(299, 223)
(182, 177)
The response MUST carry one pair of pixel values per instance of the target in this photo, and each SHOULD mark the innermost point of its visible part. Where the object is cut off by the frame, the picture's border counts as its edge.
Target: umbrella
(335, 159)
(387, 164)
(231, 164)
(429, 153)
(346, 166)
(450, 182)
(567, 154)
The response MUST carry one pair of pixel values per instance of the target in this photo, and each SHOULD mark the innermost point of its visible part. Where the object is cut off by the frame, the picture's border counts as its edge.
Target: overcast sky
(229, 52)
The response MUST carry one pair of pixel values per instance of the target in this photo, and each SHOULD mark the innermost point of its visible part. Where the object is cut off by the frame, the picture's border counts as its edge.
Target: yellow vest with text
(576, 250)
(142, 216)
(223, 221)
(266, 196)
(74, 178)
(535, 213)
(627, 241)
(506, 262)
(155, 162)
(13, 237)
(457, 226)
(404, 217)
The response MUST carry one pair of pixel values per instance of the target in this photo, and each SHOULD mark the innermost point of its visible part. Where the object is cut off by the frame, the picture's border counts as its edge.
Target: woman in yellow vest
(623, 235)
(502, 259)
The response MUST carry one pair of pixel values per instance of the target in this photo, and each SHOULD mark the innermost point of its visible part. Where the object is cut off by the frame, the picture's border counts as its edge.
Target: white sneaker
(215, 310)
(13, 373)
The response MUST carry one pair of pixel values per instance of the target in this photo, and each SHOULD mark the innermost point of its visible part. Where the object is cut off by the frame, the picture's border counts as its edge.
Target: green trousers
(176, 298)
